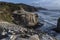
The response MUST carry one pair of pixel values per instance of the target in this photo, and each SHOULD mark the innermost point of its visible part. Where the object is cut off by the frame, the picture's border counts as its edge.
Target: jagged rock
(21, 33)
(46, 37)
(1, 30)
(57, 29)
(37, 37)
(13, 37)
(11, 26)
(34, 37)
(25, 18)
(21, 17)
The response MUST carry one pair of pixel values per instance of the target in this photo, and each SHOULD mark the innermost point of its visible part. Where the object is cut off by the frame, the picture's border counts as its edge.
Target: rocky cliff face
(8, 10)
(21, 17)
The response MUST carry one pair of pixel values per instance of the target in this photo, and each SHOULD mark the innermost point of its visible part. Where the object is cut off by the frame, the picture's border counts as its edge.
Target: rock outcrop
(57, 29)
(20, 17)
(34, 37)
(25, 18)
(18, 14)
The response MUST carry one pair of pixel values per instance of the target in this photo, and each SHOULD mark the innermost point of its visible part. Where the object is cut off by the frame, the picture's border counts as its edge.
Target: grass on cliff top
(5, 17)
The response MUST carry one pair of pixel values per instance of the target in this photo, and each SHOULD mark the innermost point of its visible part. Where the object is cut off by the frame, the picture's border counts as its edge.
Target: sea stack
(58, 26)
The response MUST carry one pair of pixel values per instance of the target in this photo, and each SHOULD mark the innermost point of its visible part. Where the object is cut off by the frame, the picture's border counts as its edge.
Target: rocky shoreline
(19, 22)
(15, 32)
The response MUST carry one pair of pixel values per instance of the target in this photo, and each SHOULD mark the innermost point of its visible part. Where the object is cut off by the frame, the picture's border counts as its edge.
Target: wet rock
(1, 30)
(57, 29)
(47, 37)
(58, 37)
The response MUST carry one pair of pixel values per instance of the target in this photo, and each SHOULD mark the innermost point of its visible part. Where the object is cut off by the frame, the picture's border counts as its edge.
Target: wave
(49, 18)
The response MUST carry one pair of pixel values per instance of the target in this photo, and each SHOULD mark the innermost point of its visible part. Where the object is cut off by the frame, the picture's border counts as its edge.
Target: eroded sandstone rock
(25, 18)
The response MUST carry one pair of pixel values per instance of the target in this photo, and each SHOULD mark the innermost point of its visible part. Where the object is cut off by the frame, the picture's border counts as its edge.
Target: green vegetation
(6, 16)
(12, 6)
(7, 9)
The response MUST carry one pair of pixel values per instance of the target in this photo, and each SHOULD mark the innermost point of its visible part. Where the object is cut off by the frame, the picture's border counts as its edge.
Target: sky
(50, 4)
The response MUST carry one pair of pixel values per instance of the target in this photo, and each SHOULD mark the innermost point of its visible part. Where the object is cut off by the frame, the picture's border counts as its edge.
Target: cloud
(51, 4)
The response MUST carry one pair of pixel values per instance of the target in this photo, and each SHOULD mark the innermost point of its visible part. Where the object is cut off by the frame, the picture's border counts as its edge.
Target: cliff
(7, 11)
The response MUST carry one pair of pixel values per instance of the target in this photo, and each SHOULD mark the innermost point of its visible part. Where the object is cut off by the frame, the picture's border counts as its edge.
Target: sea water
(49, 19)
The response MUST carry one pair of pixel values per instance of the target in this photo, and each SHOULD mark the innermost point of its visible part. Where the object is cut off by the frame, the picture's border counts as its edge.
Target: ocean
(49, 19)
